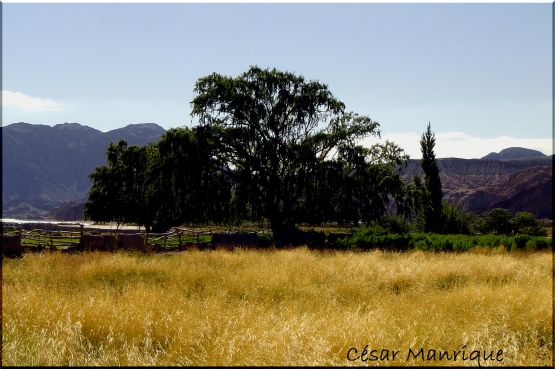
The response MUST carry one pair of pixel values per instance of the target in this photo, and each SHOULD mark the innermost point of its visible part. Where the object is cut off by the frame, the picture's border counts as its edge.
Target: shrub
(394, 224)
(521, 241)
(543, 243)
(531, 244)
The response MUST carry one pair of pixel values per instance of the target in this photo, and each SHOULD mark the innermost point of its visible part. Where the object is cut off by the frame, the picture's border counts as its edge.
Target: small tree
(498, 220)
(454, 220)
(525, 223)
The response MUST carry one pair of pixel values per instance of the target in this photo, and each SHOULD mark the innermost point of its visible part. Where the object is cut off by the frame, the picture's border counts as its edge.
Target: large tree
(273, 128)
(433, 206)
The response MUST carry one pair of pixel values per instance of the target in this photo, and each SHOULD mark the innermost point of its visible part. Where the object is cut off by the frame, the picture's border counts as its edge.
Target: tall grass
(286, 307)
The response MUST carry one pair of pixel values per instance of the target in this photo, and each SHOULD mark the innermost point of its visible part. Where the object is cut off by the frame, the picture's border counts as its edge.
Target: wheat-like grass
(286, 307)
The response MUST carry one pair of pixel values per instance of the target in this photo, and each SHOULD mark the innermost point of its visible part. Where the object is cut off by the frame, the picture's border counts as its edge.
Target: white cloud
(463, 145)
(18, 100)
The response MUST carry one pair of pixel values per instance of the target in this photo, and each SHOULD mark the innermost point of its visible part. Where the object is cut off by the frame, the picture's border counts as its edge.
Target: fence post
(81, 234)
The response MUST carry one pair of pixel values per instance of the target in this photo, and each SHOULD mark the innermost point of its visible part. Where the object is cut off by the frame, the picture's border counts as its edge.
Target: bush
(333, 240)
(421, 241)
(543, 243)
(394, 224)
(531, 245)
(521, 241)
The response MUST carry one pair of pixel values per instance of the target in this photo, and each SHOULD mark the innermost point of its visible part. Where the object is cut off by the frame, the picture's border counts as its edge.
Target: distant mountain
(477, 185)
(44, 167)
(515, 153)
(71, 210)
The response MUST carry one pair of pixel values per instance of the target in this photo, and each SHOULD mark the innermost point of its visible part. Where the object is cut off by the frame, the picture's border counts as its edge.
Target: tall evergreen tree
(433, 208)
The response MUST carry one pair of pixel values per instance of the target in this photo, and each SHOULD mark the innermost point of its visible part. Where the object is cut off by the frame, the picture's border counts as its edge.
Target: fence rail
(38, 239)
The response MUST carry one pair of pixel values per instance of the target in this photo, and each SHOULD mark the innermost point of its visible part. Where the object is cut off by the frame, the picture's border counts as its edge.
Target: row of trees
(269, 147)
(181, 180)
(501, 221)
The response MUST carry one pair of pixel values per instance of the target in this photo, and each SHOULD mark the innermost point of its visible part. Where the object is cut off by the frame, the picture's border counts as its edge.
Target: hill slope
(44, 166)
(477, 185)
(514, 153)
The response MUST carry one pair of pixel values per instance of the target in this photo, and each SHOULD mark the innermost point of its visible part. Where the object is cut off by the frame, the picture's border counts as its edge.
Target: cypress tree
(433, 210)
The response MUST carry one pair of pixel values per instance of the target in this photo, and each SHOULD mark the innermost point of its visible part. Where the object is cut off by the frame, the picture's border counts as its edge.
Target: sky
(481, 74)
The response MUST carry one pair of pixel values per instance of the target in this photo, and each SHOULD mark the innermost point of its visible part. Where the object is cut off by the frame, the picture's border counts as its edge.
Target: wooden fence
(32, 240)
(39, 239)
(176, 239)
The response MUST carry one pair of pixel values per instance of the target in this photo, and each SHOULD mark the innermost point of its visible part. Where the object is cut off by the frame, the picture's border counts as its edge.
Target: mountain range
(44, 167)
(478, 185)
(45, 172)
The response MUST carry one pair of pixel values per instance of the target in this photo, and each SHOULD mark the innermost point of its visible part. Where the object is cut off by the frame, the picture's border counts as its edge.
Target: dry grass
(293, 307)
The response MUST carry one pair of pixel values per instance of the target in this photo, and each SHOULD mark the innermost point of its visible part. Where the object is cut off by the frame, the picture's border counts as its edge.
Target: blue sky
(480, 73)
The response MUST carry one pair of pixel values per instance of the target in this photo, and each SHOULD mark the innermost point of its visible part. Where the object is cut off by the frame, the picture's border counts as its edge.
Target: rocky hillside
(477, 185)
(44, 167)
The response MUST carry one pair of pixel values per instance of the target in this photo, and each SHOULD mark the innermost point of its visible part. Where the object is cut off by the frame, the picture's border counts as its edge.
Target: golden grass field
(275, 307)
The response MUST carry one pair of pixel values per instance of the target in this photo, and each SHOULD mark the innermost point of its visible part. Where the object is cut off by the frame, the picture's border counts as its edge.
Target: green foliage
(370, 239)
(357, 187)
(394, 224)
(524, 222)
(454, 220)
(501, 221)
(498, 220)
(378, 238)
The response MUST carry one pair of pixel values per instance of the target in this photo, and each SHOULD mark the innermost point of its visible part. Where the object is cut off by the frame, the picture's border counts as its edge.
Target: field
(278, 307)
